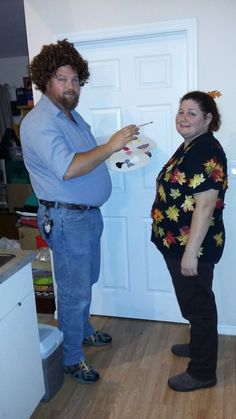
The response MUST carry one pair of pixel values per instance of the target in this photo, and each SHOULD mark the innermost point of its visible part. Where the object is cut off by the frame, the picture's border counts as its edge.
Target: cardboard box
(27, 237)
(17, 193)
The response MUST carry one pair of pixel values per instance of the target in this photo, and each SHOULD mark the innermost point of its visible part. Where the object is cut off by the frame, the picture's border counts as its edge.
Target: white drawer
(14, 289)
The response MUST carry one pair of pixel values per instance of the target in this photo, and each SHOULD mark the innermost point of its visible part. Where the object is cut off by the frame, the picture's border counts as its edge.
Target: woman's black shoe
(185, 382)
(181, 349)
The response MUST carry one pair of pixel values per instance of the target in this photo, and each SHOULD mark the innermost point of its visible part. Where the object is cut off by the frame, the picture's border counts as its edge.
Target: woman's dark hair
(53, 56)
(207, 105)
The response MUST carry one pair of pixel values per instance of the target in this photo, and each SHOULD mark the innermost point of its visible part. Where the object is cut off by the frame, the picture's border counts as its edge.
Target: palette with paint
(135, 155)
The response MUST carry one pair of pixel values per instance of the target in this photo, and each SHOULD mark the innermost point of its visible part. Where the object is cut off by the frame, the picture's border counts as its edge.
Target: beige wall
(216, 35)
(216, 70)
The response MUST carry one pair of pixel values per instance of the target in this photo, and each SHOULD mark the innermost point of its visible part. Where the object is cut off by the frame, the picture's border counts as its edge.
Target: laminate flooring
(134, 372)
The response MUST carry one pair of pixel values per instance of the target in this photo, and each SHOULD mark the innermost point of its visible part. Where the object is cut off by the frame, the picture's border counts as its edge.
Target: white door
(135, 80)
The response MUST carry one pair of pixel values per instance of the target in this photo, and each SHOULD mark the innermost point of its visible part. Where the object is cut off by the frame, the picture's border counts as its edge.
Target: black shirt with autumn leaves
(201, 166)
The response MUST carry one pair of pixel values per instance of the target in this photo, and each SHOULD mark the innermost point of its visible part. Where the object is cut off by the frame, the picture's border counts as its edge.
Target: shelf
(45, 304)
(25, 107)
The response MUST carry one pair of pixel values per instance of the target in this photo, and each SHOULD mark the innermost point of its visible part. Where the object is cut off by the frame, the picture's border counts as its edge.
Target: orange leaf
(214, 93)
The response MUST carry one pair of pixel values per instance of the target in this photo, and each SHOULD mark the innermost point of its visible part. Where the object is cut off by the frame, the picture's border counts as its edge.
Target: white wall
(216, 71)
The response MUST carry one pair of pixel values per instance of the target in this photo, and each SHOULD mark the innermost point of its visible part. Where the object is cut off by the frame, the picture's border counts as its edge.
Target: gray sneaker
(82, 372)
(97, 339)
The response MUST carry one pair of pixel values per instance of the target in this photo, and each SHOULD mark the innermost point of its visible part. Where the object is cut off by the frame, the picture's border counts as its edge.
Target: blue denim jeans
(75, 241)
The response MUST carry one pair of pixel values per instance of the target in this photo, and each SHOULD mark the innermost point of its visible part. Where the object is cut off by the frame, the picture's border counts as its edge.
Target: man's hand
(83, 163)
(122, 137)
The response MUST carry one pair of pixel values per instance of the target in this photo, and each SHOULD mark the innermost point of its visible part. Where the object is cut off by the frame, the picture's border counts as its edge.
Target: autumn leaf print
(160, 232)
(212, 222)
(220, 203)
(175, 193)
(200, 252)
(183, 237)
(225, 184)
(157, 215)
(161, 193)
(188, 204)
(214, 170)
(180, 160)
(172, 213)
(168, 172)
(210, 166)
(178, 177)
(169, 239)
(219, 239)
(196, 180)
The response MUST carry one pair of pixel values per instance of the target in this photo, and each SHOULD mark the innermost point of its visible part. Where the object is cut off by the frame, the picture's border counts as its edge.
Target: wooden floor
(134, 373)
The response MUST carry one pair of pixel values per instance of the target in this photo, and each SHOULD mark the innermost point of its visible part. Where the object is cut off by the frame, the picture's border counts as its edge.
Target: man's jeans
(75, 241)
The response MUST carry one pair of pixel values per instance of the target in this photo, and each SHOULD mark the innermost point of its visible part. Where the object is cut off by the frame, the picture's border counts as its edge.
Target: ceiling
(13, 40)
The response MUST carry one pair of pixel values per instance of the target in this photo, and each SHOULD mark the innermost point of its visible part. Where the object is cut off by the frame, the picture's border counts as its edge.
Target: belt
(52, 204)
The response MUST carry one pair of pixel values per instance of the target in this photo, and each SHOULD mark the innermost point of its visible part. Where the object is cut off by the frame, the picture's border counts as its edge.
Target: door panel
(134, 80)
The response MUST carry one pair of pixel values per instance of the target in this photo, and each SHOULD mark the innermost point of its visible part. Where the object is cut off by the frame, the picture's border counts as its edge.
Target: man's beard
(69, 100)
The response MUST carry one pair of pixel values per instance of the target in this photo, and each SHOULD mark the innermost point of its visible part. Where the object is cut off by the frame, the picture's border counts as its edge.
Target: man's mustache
(71, 92)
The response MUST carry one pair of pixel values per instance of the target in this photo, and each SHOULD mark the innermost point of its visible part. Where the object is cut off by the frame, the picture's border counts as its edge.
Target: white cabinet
(21, 374)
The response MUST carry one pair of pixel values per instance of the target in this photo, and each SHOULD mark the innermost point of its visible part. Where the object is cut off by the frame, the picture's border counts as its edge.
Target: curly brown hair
(207, 105)
(53, 56)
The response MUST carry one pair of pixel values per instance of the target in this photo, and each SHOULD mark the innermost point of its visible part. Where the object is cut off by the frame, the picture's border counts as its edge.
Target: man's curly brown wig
(51, 57)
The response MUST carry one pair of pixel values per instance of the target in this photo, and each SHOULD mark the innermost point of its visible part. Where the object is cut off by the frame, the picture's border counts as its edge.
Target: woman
(188, 230)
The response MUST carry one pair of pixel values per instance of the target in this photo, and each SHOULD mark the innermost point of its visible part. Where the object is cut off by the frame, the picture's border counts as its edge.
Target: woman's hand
(189, 264)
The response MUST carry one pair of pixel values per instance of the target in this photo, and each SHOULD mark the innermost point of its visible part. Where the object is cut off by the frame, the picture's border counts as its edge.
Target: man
(71, 181)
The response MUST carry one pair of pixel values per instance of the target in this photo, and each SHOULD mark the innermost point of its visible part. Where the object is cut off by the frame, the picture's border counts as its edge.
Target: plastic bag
(6, 243)
(43, 254)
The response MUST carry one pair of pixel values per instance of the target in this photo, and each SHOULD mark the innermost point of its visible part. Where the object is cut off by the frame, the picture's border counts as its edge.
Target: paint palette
(135, 155)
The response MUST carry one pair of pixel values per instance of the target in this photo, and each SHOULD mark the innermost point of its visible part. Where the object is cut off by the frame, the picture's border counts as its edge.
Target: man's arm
(83, 163)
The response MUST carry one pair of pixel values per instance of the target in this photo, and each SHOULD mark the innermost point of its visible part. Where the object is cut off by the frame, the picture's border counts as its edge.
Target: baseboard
(227, 330)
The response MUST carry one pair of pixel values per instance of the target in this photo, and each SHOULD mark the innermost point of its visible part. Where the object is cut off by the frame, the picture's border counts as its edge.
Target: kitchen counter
(21, 259)
(21, 379)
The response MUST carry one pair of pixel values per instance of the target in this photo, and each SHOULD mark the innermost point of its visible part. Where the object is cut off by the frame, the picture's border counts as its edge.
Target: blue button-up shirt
(49, 142)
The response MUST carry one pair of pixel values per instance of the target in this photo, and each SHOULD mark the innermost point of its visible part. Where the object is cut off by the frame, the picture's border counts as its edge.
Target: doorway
(138, 75)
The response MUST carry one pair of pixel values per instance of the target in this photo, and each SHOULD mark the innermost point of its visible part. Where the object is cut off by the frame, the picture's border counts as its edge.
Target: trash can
(51, 339)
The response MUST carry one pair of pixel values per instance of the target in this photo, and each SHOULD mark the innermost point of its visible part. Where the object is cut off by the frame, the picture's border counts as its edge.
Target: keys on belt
(53, 204)
(47, 225)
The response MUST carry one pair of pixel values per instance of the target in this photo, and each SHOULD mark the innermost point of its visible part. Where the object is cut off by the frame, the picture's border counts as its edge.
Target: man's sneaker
(97, 339)
(82, 372)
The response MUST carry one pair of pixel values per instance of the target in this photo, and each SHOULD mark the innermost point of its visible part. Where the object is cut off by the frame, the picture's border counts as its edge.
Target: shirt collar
(50, 106)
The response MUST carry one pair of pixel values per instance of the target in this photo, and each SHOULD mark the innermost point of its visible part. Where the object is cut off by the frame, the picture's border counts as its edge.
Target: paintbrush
(146, 123)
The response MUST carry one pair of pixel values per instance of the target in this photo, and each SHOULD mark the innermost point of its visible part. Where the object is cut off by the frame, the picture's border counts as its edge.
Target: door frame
(186, 26)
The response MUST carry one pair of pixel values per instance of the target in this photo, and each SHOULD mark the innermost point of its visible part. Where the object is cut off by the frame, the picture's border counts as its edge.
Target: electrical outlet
(232, 169)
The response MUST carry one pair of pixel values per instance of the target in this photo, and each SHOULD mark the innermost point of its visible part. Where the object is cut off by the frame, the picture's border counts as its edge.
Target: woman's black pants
(197, 304)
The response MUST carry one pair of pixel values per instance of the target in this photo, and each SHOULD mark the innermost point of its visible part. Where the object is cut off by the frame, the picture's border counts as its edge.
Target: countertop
(23, 257)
